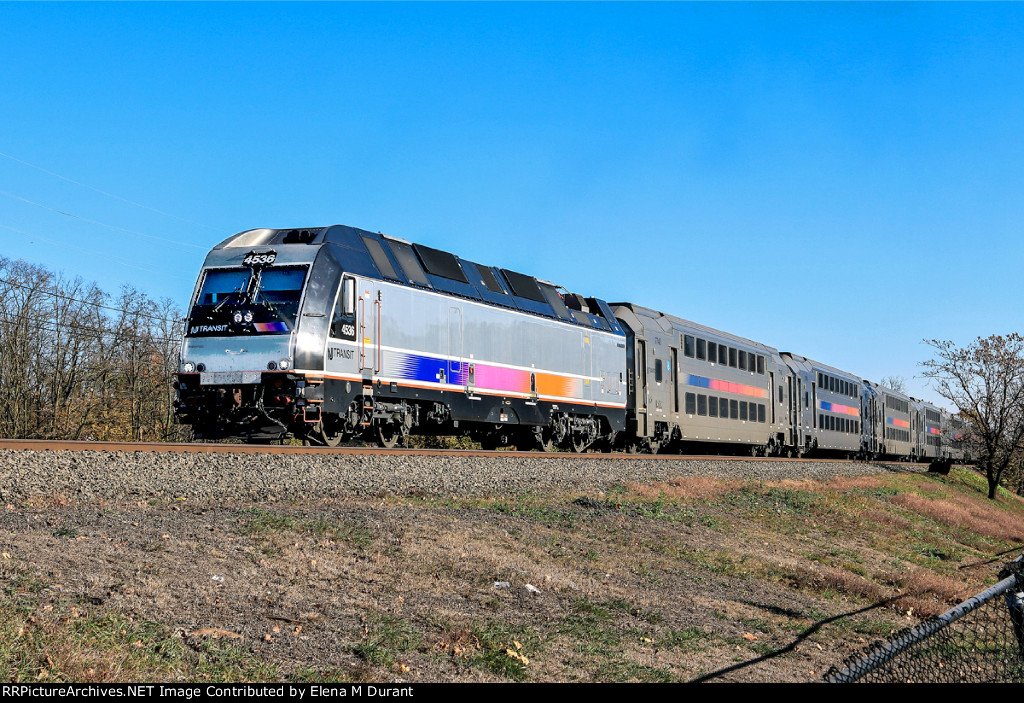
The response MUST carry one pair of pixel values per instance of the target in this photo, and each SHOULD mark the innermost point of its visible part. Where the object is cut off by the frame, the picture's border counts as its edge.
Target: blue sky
(836, 180)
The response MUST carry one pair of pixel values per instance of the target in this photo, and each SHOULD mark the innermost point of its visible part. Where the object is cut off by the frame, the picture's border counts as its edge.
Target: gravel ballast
(120, 475)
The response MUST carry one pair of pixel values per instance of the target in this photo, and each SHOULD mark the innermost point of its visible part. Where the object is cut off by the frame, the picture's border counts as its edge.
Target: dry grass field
(690, 579)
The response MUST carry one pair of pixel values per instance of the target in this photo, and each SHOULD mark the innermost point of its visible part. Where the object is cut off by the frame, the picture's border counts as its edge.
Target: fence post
(1015, 599)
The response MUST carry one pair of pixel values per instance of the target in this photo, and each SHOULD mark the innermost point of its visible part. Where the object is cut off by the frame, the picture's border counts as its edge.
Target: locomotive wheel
(540, 438)
(327, 438)
(388, 435)
(578, 443)
(319, 435)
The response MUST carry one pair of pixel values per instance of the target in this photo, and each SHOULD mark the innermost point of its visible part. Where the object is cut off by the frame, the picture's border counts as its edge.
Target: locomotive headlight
(237, 318)
(284, 364)
(188, 367)
(248, 316)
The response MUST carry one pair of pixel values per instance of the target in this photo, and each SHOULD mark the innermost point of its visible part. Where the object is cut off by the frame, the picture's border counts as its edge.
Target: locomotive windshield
(247, 302)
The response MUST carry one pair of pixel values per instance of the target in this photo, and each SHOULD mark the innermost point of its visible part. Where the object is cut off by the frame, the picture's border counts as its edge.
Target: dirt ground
(416, 589)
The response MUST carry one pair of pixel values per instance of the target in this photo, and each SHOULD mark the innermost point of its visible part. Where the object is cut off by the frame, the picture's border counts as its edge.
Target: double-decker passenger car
(829, 417)
(692, 386)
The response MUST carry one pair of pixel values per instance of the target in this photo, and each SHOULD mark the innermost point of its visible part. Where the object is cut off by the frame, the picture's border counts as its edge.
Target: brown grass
(685, 488)
(791, 484)
(978, 515)
(926, 593)
(880, 517)
(849, 483)
(830, 578)
(920, 581)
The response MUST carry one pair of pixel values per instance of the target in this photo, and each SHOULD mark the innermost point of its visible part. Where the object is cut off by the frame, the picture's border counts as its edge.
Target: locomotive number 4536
(265, 258)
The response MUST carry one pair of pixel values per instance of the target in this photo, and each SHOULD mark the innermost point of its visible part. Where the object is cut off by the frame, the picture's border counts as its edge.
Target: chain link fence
(979, 641)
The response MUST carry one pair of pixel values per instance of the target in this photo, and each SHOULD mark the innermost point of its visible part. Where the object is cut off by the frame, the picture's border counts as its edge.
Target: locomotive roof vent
(299, 236)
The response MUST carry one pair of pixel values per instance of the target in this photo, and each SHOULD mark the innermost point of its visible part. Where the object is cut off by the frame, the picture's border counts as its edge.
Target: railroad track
(200, 448)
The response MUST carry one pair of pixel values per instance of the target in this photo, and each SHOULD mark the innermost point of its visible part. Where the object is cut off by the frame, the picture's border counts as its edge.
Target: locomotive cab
(257, 315)
(238, 354)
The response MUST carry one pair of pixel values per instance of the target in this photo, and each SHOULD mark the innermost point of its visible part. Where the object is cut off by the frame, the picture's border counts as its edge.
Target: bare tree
(985, 381)
(74, 364)
(22, 334)
(895, 383)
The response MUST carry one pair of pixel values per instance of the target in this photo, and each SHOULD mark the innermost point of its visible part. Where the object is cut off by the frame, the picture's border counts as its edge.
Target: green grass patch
(64, 644)
(65, 530)
(260, 523)
(498, 651)
(690, 639)
(387, 638)
(619, 671)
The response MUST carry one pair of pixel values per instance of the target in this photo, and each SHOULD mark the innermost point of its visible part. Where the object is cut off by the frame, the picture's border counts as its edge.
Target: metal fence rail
(979, 641)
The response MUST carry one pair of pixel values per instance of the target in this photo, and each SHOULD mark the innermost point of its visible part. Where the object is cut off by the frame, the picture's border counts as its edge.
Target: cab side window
(343, 322)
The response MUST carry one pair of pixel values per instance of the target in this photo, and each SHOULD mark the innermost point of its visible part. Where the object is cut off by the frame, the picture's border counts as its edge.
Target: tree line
(79, 363)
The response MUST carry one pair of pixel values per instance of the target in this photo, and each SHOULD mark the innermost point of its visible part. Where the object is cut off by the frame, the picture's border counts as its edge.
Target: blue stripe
(700, 381)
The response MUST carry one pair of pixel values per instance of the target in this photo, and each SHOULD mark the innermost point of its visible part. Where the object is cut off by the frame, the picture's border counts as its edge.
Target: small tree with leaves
(985, 381)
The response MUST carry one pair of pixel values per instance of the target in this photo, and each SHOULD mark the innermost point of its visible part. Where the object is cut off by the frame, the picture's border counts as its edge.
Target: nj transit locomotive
(334, 333)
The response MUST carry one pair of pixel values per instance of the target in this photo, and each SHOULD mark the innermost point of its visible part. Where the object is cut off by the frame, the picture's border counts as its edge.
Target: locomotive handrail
(362, 333)
(380, 360)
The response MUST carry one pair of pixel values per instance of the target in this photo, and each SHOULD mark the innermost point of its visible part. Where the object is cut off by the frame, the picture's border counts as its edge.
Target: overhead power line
(88, 302)
(102, 224)
(122, 262)
(103, 192)
(49, 325)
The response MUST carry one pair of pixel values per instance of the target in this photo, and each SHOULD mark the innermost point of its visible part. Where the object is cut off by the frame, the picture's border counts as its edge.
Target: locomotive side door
(883, 440)
(587, 365)
(792, 391)
(641, 388)
(345, 327)
(368, 324)
(454, 370)
(867, 427)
